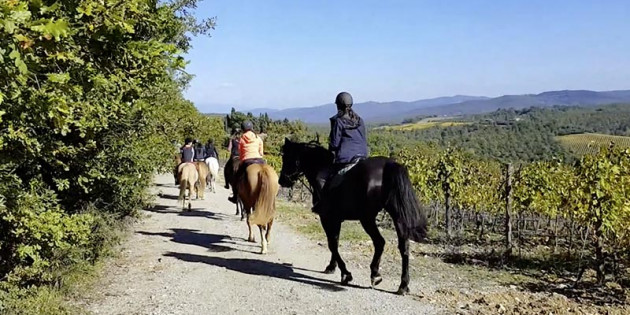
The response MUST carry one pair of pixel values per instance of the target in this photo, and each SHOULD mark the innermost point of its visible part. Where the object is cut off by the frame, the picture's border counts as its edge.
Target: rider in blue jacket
(347, 141)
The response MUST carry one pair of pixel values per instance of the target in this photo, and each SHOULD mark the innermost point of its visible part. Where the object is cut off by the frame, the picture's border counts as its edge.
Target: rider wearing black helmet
(200, 151)
(187, 153)
(347, 141)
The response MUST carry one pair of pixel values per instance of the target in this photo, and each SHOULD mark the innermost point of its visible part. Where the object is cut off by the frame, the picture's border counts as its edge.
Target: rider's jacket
(348, 139)
(211, 151)
(200, 152)
(250, 146)
(188, 154)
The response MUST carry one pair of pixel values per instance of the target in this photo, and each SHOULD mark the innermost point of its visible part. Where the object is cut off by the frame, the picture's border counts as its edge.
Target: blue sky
(281, 53)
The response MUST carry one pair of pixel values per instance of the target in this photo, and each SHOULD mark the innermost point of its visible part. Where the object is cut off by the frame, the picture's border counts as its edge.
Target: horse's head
(301, 158)
(291, 170)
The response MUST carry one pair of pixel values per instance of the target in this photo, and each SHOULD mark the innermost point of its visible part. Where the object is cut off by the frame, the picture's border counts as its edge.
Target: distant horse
(371, 185)
(258, 189)
(187, 176)
(213, 166)
(200, 187)
(231, 166)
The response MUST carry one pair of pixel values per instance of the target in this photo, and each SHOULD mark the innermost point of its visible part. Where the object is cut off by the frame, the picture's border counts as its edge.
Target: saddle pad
(338, 178)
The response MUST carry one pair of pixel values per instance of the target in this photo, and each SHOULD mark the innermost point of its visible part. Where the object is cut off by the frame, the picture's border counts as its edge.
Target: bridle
(298, 175)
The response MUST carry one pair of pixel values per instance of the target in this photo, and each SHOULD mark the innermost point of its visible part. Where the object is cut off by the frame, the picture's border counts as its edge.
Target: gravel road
(199, 262)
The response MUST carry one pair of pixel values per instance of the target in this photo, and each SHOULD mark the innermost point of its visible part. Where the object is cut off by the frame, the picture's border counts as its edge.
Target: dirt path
(199, 263)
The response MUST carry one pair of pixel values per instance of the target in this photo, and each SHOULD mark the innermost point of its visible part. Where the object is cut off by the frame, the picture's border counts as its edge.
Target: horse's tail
(183, 182)
(402, 203)
(213, 165)
(265, 207)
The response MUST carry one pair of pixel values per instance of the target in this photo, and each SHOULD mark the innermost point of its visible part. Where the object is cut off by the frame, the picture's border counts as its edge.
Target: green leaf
(9, 26)
(56, 29)
(21, 16)
(58, 77)
(19, 63)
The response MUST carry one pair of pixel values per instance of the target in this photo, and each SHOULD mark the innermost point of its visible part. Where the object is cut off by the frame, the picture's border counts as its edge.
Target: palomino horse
(364, 190)
(200, 187)
(231, 166)
(188, 176)
(258, 189)
(213, 166)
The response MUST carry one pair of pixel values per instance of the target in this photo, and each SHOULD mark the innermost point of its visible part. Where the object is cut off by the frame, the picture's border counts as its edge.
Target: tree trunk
(599, 253)
(555, 236)
(447, 214)
(571, 226)
(508, 210)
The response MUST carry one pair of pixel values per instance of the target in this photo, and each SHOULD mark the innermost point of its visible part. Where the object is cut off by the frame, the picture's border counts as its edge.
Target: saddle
(242, 169)
(337, 178)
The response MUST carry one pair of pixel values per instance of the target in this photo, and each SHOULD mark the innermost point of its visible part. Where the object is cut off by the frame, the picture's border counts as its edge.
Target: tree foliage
(90, 105)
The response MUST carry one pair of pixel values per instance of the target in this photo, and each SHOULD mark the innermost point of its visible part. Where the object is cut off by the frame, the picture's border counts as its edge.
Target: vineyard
(581, 144)
(424, 124)
(578, 212)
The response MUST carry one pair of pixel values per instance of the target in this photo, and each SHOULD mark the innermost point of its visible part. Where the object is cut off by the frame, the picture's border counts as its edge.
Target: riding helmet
(247, 125)
(343, 100)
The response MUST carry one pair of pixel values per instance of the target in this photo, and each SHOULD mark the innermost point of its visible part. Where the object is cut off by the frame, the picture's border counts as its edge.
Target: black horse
(372, 185)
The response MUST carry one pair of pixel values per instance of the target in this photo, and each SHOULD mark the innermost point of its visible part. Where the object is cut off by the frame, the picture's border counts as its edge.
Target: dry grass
(464, 281)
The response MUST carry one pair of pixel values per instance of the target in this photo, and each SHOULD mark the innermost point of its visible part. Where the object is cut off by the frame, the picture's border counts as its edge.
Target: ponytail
(354, 118)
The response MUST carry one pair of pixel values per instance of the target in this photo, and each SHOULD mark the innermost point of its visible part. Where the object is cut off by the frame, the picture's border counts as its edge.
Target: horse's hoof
(330, 270)
(345, 279)
(251, 240)
(376, 280)
(402, 291)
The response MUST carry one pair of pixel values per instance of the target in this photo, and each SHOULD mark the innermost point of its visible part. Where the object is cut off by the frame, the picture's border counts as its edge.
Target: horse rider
(347, 142)
(250, 149)
(187, 153)
(200, 151)
(234, 155)
(211, 150)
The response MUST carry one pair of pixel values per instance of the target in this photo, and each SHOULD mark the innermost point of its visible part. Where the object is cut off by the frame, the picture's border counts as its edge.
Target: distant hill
(370, 111)
(452, 106)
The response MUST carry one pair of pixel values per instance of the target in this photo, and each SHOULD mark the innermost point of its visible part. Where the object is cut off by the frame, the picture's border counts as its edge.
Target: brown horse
(258, 189)
(204, 171)
(188, 176)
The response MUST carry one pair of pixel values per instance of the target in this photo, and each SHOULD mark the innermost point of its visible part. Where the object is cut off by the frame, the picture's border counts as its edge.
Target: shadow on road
(169, 197)
(193, 237)
(194, 212)
(259, 268)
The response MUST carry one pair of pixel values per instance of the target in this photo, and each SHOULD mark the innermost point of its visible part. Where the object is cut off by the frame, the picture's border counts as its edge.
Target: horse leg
(202, 188)
(251, 237)
(369, 225)
(268, 235)
(182, 196)
(263, 240)
(332, 230)
(239, 203)
(191, 188)
(403, 247)
(332, 265)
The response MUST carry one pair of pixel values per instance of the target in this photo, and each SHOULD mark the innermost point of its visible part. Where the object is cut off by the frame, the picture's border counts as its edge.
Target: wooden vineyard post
(508, 209)
(447, 206)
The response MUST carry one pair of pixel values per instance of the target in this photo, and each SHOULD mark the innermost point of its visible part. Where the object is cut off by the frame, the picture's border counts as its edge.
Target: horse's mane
(315, 152)
(318, 150)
